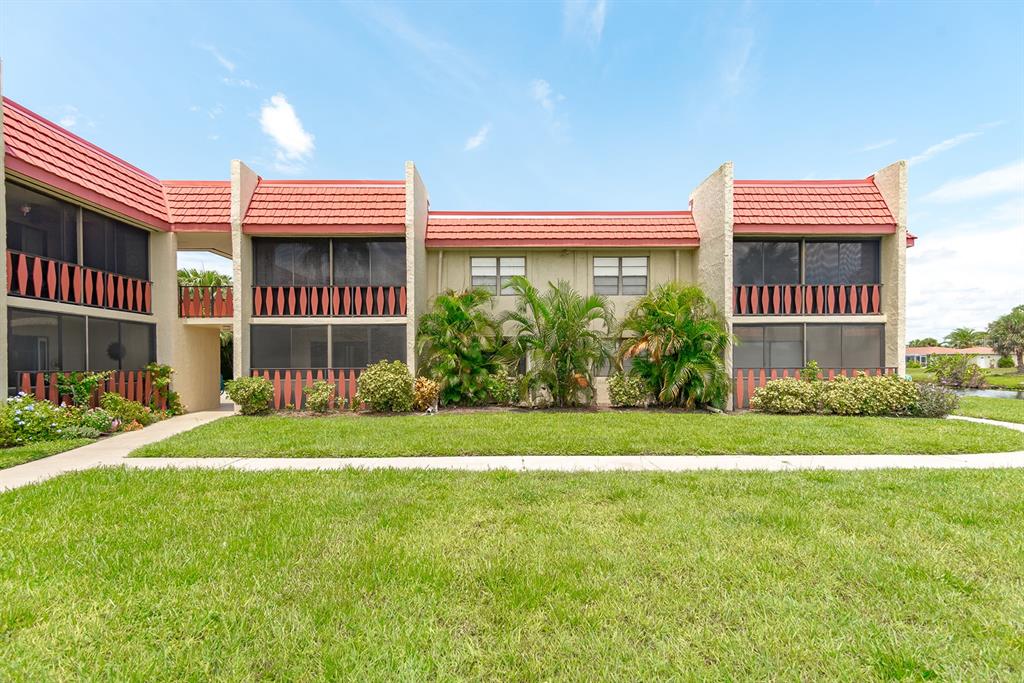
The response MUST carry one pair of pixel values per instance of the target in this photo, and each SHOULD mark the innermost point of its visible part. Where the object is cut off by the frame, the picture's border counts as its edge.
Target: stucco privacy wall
(3, 241)
(417, 206)
(243, 185)
(711, 204)
(891, 181)
(197, 373)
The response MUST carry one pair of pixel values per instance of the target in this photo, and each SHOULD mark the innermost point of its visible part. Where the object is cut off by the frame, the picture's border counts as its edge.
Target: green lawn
(997, 378)
(1005, 409)
(9, 457)
(403, 575)
(559, 433)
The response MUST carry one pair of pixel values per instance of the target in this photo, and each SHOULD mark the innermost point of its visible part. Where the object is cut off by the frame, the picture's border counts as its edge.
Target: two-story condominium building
(331, 275)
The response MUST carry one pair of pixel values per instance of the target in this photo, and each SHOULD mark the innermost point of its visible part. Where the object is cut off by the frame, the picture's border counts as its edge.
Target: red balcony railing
(807, 300)
(205, 302)
(42, 278)
(135, 385)
(328, 301)
(746, 380)
(290, 382)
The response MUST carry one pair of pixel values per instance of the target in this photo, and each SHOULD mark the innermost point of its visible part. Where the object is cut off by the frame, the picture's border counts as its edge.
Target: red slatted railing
(807, 299)
(328, 301)
(290, 382)
(135, 385)
(205, 302)
(43, 278)
(746, 380)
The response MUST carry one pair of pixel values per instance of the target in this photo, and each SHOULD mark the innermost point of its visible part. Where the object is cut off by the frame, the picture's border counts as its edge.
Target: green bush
(81, 432)
(96, 418)
(1005, 362)
(504, 387)
(26, 420)
(387, 387)
(627, 391)
(80, 385)
(787, 396)
(913, 364)
(956, 370)
(870, 395)
(319, 395)
(811, 371)
(161, 375)
(936, 401)
(126, 411)
(252, 394)
(425, 393)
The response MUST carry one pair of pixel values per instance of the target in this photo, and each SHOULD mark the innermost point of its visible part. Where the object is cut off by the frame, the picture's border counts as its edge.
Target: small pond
(991, 393)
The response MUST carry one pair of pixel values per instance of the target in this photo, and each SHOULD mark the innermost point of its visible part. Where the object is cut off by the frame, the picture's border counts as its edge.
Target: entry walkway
(114, 451)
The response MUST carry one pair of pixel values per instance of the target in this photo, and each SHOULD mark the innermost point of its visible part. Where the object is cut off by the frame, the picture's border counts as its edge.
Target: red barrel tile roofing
(561, 229)
(810, 203)
(198, 203)
(327, 203)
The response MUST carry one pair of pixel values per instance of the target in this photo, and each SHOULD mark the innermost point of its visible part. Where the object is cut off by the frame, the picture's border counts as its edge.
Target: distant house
(982, 356)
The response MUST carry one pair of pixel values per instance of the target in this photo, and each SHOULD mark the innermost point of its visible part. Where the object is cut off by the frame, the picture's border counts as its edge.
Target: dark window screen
(40, 225)
(114, 247)
(842, 263)
(290, 262)
(766, 263)
(360, 262)
(289, 346)
(356, 346)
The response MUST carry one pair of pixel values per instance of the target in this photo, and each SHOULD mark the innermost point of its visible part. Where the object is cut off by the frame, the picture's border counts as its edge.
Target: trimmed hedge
(887, 395)
(386, 387)
(627, 391)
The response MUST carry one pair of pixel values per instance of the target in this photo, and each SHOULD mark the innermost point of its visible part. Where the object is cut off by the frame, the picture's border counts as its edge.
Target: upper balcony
(44, 278)
(806, 277)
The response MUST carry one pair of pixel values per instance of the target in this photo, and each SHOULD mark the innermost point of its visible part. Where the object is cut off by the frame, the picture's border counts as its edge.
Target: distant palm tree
(678, 340)
(564, 333)
(1007, 335)
(194, 277)
(964, 337)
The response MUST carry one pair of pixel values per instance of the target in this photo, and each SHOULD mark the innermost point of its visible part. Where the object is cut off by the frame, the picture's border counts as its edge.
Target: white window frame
(620, 266)
(504, 267)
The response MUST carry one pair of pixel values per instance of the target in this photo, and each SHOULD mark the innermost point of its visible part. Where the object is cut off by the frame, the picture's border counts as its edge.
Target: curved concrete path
(114, 451)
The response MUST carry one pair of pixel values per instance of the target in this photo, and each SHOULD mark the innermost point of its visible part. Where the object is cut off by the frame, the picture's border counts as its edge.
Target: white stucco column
(243, 184)
(891, 181)
(417, 204)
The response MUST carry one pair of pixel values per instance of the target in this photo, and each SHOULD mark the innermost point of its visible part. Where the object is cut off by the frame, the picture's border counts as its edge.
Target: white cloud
(221, 59)
(585, 18)
(204, 260)
(215, 111)
(239, 82)
(541, 91)
(738, 58)
(1002, 180)
(213, 136)
(943, 146)
(294, 144)
(479, 138)
(69, 117)
(967, 275)
(878, 145)
(194, 108)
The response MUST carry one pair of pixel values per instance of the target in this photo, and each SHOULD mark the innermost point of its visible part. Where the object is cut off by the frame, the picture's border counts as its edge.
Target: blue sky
(575, 106)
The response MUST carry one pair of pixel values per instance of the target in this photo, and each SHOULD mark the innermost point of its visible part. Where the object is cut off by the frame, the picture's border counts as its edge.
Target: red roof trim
(870, 180)
(872, 229)
(562, 242)
(340, 229)
(65, 186)
(264, 181)
(196, 183)
(561, 214)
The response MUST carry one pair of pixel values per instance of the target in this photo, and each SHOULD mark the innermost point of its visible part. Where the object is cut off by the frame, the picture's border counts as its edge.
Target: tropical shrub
(161, 375)
(964, 337)
(677, 338)
(627, 391)
(387, 387)
(26, 420)
(1007, 335)
(564, 333)
(96, 418)
(935, 401)
(913, 364)
(81, 432)
(252, 394)
(80, 386)
(1004, 362)
(811, 371)
(870, 395)
(956, 370)
(504, 387)
(460, 345)
(196, 277)
(126, 411)
(786, 396)
(319, 395)
(425, 393)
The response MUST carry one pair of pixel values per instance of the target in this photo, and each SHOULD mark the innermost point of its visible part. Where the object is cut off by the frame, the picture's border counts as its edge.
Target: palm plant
(964, 337)
(1007, 334)
(459, 343)
(195, 277)
(677, 340)
(563, 332)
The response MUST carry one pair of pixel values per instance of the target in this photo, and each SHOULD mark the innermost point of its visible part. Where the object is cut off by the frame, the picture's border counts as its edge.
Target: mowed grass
(9, 457)
(579, 433)
(426, 575)
(1004, 409)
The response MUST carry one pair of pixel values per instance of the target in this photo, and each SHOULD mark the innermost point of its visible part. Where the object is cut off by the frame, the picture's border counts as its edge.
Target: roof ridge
(870, 180)
(558, 214)
(196, 183)
(265, 181)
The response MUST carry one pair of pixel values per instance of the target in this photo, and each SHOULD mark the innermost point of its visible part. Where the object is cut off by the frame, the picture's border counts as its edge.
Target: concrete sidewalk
(114, 451)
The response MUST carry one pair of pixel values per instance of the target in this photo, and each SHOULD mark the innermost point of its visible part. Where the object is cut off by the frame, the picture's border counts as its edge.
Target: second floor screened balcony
(807, 277)
(329, 277)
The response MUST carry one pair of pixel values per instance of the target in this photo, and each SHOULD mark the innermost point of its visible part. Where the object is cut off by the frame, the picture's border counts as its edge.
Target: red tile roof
(854, 206)
(946, 351)
(42, 150)
(561, 229)
(199, 204)
(340, 206)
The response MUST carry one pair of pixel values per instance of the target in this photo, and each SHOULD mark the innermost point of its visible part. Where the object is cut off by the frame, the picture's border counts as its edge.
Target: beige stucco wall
(711, 204)
(417, 205)
(197, 372)
(243, 185)
(892, 183)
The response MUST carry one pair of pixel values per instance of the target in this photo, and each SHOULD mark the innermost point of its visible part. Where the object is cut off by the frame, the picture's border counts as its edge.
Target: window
(488, 271)
(766, 263)
(360, 262)
(356, 346)
(40, 225)
(842, 263)
(119, 345)
(45, 342)
(115, 247)
(289, 346)
(620, 275)
(852, 347)
(290, 262)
